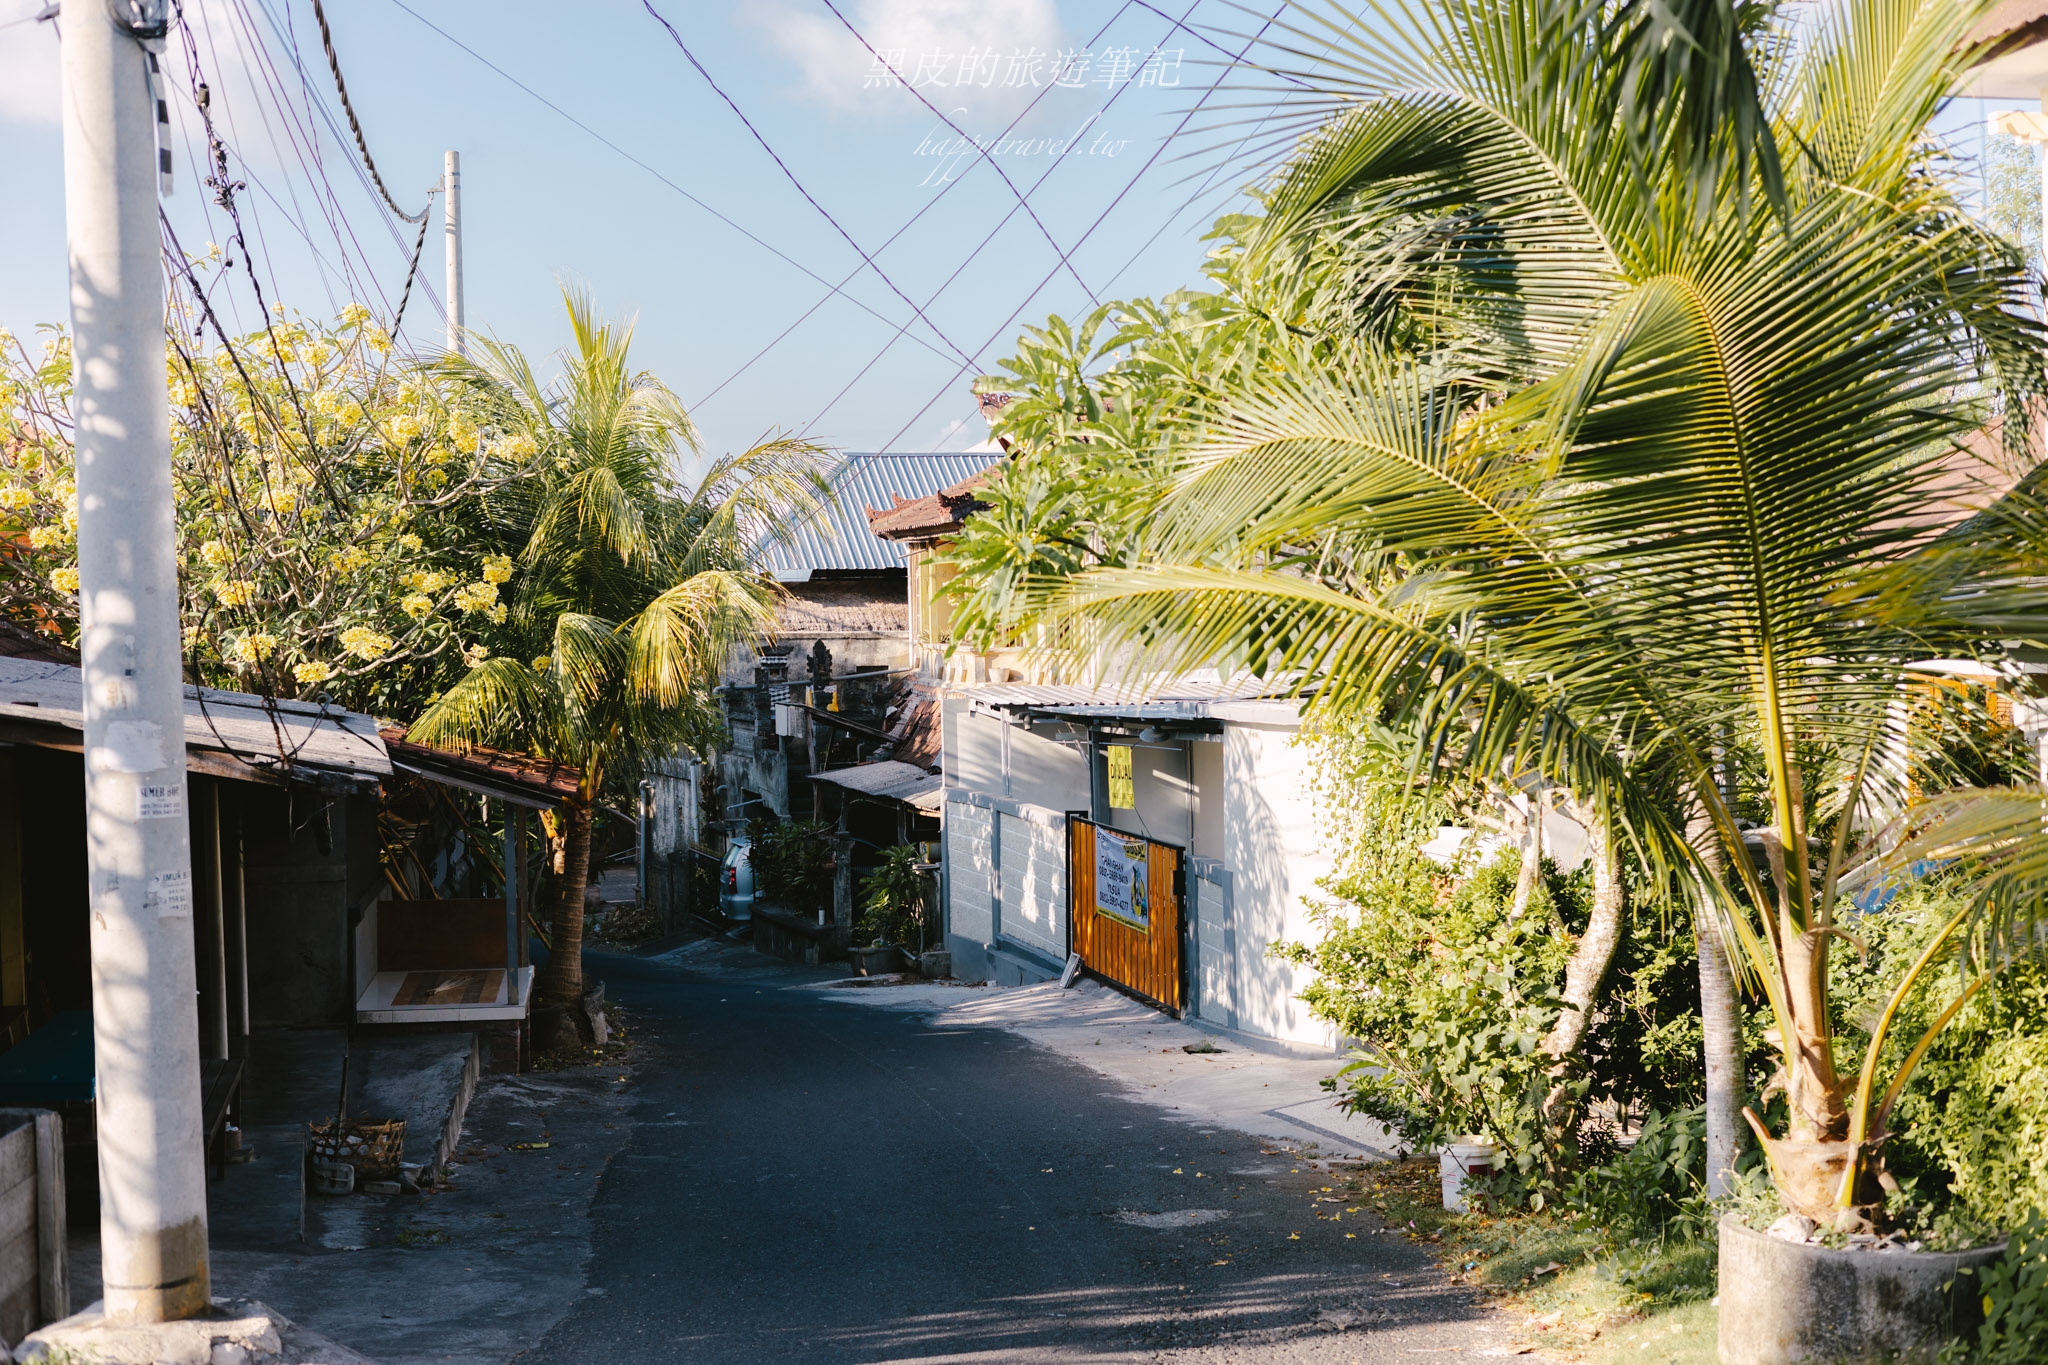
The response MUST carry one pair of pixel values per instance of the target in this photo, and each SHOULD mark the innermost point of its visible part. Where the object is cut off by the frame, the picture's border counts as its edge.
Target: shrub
(2015, 1330)
(893, 908)
(788, 858)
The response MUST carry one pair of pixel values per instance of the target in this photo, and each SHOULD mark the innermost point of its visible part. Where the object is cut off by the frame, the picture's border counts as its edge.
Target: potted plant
(892, 911)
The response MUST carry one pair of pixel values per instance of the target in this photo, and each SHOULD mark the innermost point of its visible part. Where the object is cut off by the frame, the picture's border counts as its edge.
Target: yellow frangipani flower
(312, 671)
(216, 554)
(366, 643)
(497, 568)
(64, 579)
(417, 605)
(254, 647)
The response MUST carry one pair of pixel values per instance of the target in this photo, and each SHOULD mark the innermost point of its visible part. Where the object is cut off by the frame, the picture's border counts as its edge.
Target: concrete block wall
(1032, 856)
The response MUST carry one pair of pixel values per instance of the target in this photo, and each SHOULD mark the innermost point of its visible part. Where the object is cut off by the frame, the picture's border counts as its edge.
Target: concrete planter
(883, 957)
(1791, 1303)
(935, 963)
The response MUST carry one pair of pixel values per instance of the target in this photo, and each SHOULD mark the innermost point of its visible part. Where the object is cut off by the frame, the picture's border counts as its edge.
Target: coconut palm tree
(1629, 513)
(630, 587)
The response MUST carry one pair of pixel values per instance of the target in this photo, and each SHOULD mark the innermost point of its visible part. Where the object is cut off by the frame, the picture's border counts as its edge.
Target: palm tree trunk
(1721, 1024)
(562, 981)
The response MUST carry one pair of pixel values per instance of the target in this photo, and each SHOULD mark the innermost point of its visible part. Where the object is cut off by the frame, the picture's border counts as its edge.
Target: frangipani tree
(323, 485)
(631, 585)
(1629, 512)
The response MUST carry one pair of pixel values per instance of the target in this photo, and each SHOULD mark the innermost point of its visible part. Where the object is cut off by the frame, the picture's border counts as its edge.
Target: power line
(356, 127)
(790, 175)
(983, 244)
(1007, 322)
(776, 252)
(959, 132)
(981, 154)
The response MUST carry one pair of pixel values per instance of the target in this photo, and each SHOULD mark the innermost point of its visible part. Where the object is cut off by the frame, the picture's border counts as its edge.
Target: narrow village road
(809, 1181)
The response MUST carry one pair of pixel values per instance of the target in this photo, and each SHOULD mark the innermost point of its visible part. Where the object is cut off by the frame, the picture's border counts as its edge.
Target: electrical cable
(980, 155)
(790, 175)
(355, 125)
(979, 248)
(961, 133)
(1100, 218)
(776, 252)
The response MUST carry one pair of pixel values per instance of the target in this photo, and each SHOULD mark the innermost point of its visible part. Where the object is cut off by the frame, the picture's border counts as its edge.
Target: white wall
(988, 755)
(969, 837)
(1273, 850)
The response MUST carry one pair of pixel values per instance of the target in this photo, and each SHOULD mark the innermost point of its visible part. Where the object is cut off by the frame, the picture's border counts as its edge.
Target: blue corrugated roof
(838, 537)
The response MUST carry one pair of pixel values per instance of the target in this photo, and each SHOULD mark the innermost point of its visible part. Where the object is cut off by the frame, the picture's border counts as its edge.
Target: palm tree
(631, 588)
(1627, 514)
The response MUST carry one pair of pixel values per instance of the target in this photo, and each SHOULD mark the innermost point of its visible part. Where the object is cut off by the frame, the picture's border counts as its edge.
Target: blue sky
(546, 201)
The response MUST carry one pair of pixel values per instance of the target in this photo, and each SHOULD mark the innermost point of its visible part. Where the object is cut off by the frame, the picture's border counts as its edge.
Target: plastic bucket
(1457, 1161)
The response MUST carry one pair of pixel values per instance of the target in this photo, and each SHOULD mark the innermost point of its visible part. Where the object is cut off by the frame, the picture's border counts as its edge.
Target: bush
(1970, 1133)
(788, 858)
(893, 908)
(2015, 1330)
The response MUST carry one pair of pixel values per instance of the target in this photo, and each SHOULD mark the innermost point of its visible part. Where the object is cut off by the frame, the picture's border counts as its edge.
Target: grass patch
(1582, 1291)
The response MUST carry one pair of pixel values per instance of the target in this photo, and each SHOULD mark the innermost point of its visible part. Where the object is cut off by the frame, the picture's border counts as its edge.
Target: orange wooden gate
(1127, 929)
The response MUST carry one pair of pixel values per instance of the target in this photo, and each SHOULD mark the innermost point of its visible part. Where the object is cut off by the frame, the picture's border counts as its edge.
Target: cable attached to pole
(355, 125)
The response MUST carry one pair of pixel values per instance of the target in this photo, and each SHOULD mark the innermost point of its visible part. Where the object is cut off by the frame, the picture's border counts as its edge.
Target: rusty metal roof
(519, 778)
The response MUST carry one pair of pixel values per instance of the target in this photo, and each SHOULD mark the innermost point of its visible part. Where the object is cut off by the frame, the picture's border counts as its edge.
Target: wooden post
(514, 819)
(53, 1282)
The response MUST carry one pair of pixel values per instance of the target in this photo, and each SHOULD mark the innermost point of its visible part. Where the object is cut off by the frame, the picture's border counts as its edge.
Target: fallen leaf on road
(1547, 1269)
(526, 1146)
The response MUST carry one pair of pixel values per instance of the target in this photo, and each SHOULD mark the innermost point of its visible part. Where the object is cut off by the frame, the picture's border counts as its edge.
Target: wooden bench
(220, 1100)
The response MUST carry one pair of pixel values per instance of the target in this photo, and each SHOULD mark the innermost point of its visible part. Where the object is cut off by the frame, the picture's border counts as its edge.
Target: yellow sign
(1123, 793)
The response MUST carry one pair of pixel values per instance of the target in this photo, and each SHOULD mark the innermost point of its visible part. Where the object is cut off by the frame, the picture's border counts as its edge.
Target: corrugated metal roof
(51, 697)
(892, 781)
(838, 537)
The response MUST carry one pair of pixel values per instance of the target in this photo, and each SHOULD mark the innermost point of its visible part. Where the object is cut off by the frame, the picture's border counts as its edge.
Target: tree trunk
(1532, 858)
(1593, 956)
(561, 983)
(1721, 1023)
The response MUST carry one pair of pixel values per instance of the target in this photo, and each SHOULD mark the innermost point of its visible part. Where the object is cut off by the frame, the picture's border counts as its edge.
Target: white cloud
(926, 40)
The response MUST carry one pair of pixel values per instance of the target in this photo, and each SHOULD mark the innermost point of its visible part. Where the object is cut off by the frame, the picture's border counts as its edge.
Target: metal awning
(889, 780)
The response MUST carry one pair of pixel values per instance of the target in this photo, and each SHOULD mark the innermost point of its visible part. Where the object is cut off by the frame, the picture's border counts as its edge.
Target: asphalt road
(808, 1181)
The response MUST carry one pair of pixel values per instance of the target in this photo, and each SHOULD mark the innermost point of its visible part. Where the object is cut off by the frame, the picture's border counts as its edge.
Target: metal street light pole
(138, 852)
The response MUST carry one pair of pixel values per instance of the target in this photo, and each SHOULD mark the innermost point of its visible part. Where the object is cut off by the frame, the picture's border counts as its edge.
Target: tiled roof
(837, 539)
(516, 777)
(940, 514)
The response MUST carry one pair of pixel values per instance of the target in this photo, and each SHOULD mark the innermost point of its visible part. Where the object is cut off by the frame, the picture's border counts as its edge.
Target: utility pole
(138, 848)
(451, 181)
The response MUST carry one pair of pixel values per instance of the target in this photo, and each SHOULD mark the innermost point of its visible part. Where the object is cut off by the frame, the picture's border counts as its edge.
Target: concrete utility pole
(451, 181)
(138, 848)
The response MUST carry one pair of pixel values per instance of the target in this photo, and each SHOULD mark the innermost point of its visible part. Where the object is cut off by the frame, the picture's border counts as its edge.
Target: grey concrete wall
(1032, 858)
(1205, 770)
(310, 860)
(968, 846)
(988, 755)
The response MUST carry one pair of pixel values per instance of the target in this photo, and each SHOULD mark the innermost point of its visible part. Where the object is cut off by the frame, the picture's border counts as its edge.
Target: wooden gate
(1124, 910)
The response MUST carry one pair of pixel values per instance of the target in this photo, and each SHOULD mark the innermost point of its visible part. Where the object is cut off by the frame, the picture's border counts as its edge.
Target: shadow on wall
(1274, 851)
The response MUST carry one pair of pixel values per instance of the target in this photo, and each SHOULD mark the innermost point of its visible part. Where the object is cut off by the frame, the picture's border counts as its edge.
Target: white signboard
(1122, 889)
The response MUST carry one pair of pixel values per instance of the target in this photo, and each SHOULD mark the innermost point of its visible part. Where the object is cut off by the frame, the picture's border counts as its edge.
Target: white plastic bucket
(1457, 1161)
